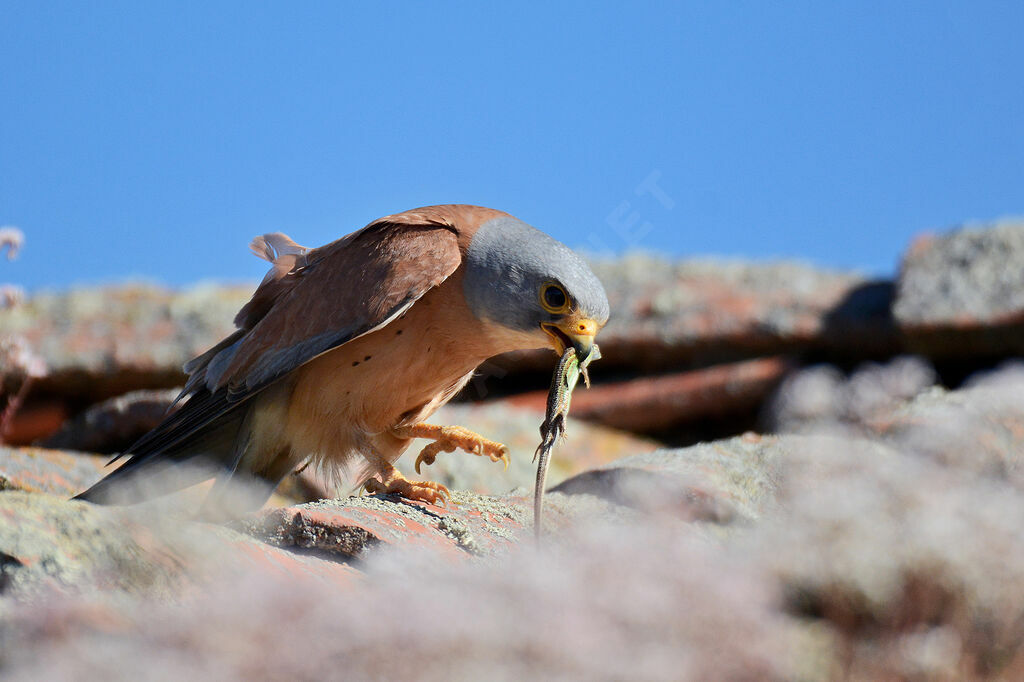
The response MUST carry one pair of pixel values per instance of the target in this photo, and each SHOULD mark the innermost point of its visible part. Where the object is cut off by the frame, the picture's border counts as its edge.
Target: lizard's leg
(448, 438)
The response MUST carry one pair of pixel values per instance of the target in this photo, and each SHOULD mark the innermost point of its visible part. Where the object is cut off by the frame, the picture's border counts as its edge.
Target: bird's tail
(154, 472)
(143, 478)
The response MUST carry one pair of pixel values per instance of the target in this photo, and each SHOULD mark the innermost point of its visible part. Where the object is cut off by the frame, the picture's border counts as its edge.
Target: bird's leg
(393, 482)
(448, 438)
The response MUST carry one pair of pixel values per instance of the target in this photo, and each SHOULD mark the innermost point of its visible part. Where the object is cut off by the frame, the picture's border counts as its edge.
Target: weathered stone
(250, 554)
(49, 542)
(637, 602)
(113, 425)
(885, 549)
(822, 397)
(101, 342)
(721, 482)
(872, 555)
(976, 428)
(49, 471)
(962, 293)
(656, 403)
(470, 525)
(909, 567)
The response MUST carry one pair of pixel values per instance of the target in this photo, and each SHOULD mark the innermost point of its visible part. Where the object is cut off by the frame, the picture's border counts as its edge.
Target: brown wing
(340, 292)
(325, 298)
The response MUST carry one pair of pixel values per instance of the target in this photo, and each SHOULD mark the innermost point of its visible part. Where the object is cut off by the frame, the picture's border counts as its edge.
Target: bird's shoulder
(463, 219)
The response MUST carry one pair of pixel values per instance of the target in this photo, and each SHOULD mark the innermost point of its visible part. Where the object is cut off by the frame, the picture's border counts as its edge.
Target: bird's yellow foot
(392, 482)
(448, 438)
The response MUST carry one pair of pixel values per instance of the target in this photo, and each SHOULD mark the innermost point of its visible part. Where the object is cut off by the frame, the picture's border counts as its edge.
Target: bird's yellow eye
(553, 298)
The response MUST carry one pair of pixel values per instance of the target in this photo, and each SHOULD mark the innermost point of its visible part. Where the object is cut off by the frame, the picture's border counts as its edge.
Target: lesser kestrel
(344, 350)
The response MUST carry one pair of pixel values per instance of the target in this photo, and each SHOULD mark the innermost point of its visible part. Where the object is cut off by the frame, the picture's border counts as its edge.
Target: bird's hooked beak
(573, 330)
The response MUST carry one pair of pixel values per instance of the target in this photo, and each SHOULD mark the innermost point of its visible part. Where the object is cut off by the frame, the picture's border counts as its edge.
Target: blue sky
(154, 140)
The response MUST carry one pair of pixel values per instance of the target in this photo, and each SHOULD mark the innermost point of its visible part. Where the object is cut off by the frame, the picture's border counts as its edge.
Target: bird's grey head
(522, 279)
